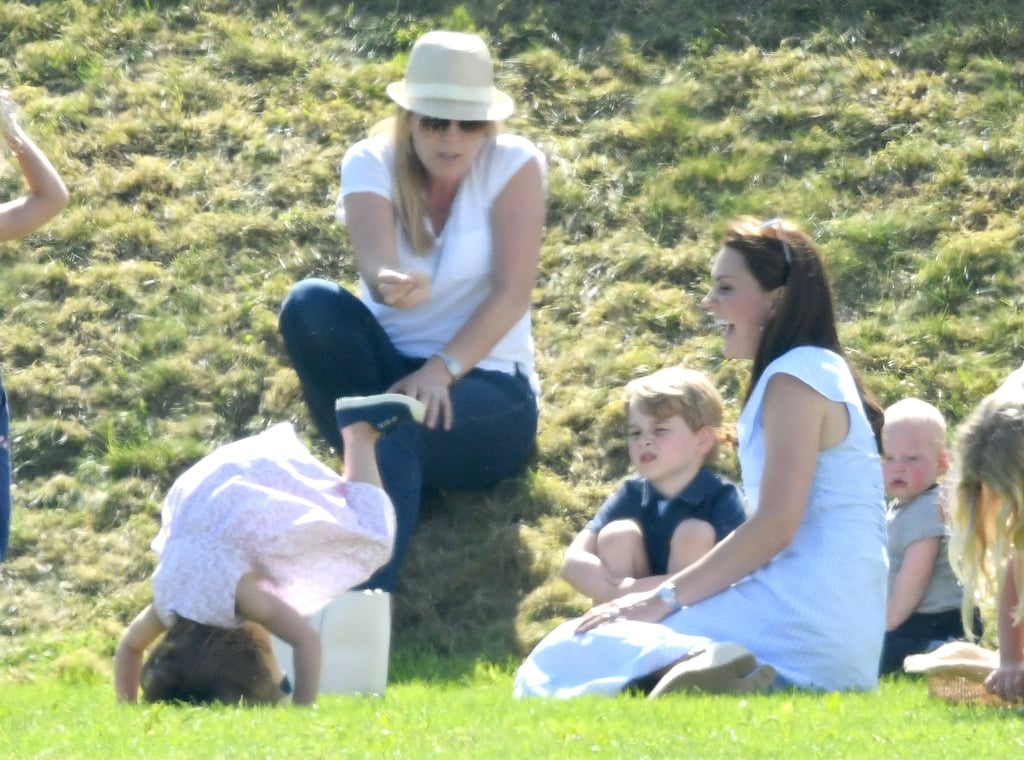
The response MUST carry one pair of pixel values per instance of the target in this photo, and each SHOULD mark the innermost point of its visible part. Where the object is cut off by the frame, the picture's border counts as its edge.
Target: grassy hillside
(201, 143)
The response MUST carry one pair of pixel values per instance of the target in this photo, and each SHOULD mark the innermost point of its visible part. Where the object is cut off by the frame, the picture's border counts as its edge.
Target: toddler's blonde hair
(678, 391)
(989, 451)
(915, 411)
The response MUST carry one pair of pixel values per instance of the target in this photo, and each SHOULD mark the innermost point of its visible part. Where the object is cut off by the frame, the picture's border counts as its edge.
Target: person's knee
(305, 307)
(620, 545)
(691, 540)
(619, 531)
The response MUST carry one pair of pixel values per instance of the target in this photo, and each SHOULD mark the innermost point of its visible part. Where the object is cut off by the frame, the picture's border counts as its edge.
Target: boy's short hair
(914, 411)
(678, 391)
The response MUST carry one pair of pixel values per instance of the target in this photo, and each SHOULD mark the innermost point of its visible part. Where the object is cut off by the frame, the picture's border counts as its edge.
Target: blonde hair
(678, 391)
(410, 181)
(989, 453)
(914, 411)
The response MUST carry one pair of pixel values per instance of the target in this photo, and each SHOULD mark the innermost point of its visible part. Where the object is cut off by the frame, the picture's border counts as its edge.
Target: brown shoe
(719, 668)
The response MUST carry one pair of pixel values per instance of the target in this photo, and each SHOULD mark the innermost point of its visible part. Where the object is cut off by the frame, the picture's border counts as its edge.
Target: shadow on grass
(458, 595)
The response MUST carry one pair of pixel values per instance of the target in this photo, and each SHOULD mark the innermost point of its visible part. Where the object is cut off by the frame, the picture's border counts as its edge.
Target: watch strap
(453, 367)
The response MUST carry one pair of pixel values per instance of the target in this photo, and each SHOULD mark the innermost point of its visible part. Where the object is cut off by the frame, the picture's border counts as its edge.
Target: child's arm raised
(142, 632)
(47, 194)
(281, 619)
(911, 581)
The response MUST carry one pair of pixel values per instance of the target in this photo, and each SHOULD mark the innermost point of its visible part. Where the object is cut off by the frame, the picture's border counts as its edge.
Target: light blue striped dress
(816, 612)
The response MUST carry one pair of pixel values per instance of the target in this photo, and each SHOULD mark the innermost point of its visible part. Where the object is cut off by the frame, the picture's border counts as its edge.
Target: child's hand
(8, 125)
(1007, 682)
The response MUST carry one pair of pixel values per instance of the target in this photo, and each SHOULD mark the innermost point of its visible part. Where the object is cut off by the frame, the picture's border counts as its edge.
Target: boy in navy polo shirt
(675, 509)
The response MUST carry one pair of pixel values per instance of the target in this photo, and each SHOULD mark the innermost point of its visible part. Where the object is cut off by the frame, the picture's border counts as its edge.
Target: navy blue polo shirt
(708, 497)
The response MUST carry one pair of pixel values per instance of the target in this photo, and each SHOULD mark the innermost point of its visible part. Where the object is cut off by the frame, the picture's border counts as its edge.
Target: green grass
(201, 142)
(474, 717)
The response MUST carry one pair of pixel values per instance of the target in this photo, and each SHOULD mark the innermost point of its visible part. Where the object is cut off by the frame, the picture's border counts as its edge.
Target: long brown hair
(200, 664)
(778, 253)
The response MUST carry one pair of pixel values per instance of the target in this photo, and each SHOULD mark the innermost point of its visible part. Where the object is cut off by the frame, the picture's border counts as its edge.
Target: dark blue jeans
(339, 349)
(5, 472)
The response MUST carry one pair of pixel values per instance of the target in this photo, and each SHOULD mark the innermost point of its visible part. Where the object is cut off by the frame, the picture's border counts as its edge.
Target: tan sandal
(719, 668)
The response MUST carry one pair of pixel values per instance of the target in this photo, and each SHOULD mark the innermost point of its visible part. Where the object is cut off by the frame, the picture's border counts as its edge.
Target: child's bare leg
(360, 458)
(620, 547)
(364, 419)
(691, 540)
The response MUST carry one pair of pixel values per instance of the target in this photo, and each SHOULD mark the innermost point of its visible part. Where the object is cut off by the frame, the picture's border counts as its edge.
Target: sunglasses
(775, 224)
(434, 124)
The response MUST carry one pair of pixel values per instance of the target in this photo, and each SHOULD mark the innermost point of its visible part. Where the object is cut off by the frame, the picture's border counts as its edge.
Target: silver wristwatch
(453, 367)
(667, 594)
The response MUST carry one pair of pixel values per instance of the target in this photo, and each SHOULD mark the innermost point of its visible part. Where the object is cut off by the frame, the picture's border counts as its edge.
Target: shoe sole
(724, 668)
(415, 407)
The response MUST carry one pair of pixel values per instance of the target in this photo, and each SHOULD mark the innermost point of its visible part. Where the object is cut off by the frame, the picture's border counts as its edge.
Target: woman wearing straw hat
(445, 217)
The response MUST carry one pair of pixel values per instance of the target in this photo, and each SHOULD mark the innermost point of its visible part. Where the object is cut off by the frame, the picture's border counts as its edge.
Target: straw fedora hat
(450, 76)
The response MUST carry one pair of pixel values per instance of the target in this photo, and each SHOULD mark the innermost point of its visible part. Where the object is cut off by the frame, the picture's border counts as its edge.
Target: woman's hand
(402, 290)
(1007, 682)
(429, 385)
(644, 606)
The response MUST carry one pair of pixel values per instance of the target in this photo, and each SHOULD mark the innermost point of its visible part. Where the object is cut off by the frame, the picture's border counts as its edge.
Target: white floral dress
(265, 504)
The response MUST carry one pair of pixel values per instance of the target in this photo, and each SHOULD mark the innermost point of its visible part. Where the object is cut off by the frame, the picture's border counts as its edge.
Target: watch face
(667, 594)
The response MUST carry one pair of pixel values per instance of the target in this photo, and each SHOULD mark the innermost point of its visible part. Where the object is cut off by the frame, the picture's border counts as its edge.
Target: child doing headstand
(255, 537)
(988, 524)
(676, 509)
(924, 598)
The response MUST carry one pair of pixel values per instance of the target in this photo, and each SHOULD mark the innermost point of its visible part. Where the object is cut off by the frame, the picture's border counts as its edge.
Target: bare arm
(1011, 636)
(585, 571)
(1007, 681)
(47, 194)
(911, 581)
(131, 648)
(517, 223)
(795, 419)
(370, 219)
(282, 620)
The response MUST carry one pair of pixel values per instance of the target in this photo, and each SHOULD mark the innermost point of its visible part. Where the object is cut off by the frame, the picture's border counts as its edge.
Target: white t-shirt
(461, 262)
